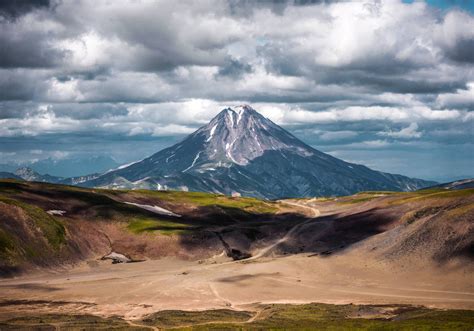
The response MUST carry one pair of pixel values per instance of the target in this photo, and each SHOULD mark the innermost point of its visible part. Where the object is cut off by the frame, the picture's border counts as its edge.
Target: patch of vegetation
(208, 199)
(10, 186)
(432, 194)
(273, 316)
(318, 199)
(6, 242)
(327, 317)
(357, 200)
(344, 317)
(52, 229)
(96, 200)
(140, 225)
(324, 199)
(179, 318)
(67, 322)
(412, 216)
(377, 193)
(461, 210)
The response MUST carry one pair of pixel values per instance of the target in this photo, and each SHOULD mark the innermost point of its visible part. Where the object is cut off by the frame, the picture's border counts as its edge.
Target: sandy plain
(135, 290)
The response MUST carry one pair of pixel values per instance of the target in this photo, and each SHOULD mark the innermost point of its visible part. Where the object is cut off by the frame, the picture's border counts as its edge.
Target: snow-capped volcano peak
(240, 110)
(240, 134)
(240, 150)
(232, 116)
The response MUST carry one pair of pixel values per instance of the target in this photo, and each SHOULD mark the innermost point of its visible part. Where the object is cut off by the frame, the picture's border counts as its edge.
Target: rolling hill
(47, 225)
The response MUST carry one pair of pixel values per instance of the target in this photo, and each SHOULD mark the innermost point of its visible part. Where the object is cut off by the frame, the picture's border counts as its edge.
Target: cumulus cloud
(410, 131)
(463, 98)
(270, 55)
(456, 36)
(370, 113)
(330, 71)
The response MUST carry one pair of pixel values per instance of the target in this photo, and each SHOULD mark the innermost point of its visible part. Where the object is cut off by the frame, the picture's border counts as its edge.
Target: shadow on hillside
(32, 286)
(204, 231)
(333, 233)
(323, 236)
(237, 231)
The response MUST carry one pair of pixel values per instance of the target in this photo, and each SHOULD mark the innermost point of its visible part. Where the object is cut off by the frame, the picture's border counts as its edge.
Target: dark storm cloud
(32, 50)
(12, 9)
(462, 51)
(26, 42)
(21, 84)
(247, 7)
(89, 110)
(13, 109)
(99, 73)
(234, 68)
(401, 85)
(314, 2)
(299, 99)
(384, 76)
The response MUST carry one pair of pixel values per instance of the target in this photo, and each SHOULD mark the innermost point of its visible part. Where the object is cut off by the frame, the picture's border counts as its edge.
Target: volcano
(240, 152)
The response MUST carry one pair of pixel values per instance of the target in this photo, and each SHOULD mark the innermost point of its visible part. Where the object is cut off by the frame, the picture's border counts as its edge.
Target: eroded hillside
(47, 226)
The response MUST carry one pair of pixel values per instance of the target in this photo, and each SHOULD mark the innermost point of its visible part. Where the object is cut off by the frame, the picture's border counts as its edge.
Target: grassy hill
(48, 225)
(45, 225)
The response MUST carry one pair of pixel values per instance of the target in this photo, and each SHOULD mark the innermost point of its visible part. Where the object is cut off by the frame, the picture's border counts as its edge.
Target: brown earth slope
(87, 224)
(237, 255)
(426, 226)
(431, 226)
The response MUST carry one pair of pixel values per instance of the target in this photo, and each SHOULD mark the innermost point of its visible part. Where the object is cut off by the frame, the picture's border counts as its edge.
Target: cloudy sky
(386, 83)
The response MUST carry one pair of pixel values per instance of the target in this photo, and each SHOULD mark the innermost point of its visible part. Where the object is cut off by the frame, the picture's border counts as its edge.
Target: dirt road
(314, 214)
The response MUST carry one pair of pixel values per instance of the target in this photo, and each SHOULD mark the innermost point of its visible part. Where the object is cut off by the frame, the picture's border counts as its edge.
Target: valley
(374, 254)
(237, 165)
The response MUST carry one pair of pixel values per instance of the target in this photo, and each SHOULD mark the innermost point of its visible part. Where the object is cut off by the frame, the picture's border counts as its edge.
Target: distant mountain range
(30, 175)
(457, 185)
(5, 174)
(240, 152)
(69, 166)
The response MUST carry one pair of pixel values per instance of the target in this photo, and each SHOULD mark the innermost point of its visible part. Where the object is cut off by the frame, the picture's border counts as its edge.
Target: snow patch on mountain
(194, 162)
(230, 114)
(169, 157)
(123, 166)
(211, 134)
(154, 209)
(240, 111)
(56, 212)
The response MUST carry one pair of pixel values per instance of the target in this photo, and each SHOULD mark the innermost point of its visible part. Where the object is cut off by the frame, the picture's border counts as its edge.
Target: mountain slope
(4, 174)
(30, 175)
(457, 185)
(241, 152)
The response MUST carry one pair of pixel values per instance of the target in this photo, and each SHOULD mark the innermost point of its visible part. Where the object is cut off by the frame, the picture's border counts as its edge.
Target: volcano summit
(241, 152)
